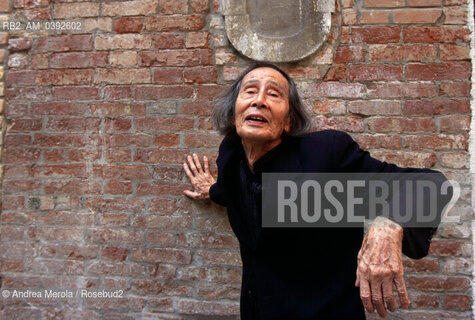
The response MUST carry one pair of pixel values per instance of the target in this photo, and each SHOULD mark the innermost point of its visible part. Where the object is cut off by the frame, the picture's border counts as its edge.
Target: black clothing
(295, 273)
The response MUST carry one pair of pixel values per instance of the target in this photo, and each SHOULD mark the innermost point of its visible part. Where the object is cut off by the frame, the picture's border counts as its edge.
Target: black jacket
(297, 273)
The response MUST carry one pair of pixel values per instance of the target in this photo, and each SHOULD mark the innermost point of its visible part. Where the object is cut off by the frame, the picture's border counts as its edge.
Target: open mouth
(256, 118)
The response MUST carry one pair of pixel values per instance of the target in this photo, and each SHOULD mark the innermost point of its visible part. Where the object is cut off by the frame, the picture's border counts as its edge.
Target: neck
(256, 149)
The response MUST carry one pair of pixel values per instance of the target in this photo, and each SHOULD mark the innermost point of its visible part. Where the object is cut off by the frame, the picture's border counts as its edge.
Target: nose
(260, 99)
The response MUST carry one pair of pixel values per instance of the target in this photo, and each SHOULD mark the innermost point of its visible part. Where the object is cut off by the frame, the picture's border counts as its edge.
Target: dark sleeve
(216, 193)
(349, 157)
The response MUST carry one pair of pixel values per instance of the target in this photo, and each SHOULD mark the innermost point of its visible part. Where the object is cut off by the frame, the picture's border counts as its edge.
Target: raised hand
(380, 268)
(201, 179)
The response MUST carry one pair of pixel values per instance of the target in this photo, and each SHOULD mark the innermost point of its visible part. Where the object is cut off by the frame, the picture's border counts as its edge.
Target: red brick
(63, 140)
(455, 123)
(123, 58)
(207, 57)
(63, 77)
(162, 92)
(378, 141)
(22, 155)
(117, 108)
(163, 205)
(174, 6)
(11, 265)
(434, 34)
(117, 125)
(19, 44)
(29, 3)
(128, 25)
(200, 74)
(74, 155)
(168, 41)
(174, 23)
(383, 3)
(457, 302)
(348, 124)
(114, 253)
(126, 205)
(17, 60)
(187, 57)
(350, 17)
(75, 10)
(200, 6)
(196, 39)
(374, 107)
(221, 258)
(64, 43)
(166, 140)
(337, 72)
(457, 266)
(413, 16)
(433, 283)
(67, 218)
(454, 52)
(424, 3)
(114, 219)
(435, 142)
(223, 56)
(122, 76)
(16, 140)
(336, 90)
(168, 75)
(345, 54)
(135, 172)
(371, 35)
(454, 2)
(424, 301)
(130, 8)
(123, 41)
(394, 124)
(20, 78)
(162, 156)
(38, 14)
(375, 72)
(329, 106)
(168, 173)
(76, 93)
(166, 255)
(421, 266)
(162, 222)
(455, 15)
(200, 140)
(29, 94)
(125, 140)
(154, 287)
(39, 61)
(12, 172)
(25, 124)
(76, 187)
(57, 108)
(440, 106)
(438, 71)
(375, 17)
(73, 124)
(402, 53)
(118, 187)
(78, 60)
(456, 160)
(115, 92)
(444, 248)
(406, 158)
(118, 155)
(400, 89)
(205, 123)
(3, 38)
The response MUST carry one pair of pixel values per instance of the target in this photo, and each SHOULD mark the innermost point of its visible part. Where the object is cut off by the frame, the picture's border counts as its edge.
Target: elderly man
(298, 273)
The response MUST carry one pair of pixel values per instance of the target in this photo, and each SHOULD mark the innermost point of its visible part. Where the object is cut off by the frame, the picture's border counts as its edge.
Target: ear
(287, 124)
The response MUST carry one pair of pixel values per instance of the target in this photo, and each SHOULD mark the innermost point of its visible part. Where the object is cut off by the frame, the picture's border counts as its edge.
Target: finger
(190, 194)
(365, 294)
(377, 299)
(189, 174)
(192, 165)
(206, 164)
(388, 295)
(402, 292)
(197, 162)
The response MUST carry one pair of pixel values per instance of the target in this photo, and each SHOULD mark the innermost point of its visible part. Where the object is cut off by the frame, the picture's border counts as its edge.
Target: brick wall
(99, 122)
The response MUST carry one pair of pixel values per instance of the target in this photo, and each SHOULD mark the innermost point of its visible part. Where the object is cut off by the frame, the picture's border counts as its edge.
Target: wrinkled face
(262, 107)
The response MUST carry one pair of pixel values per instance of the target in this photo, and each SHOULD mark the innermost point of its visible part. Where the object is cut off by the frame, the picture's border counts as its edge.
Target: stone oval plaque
(277, 30)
